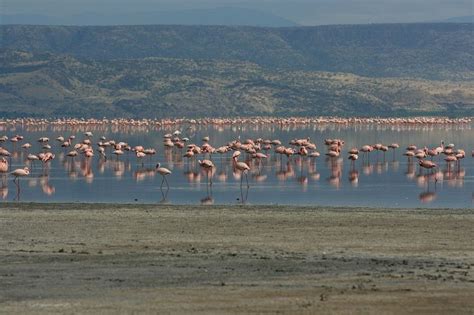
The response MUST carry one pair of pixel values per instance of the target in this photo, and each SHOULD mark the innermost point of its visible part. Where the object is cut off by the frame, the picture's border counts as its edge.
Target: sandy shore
(72, 258)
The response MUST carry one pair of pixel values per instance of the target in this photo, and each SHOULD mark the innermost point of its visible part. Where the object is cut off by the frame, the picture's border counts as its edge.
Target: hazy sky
(304, 12)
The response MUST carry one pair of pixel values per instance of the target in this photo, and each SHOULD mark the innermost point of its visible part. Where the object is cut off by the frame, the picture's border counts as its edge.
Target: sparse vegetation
(46, 84)
(435, 51)
(153, 71)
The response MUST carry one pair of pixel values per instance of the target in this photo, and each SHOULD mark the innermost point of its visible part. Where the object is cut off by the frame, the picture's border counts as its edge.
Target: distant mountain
(437, 51)
(460, 19)
(170, 71)
(47, 85)
(216, 16)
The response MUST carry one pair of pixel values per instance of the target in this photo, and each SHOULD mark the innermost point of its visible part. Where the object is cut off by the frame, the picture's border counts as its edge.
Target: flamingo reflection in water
(429, 195)
(47, 188)
(208, 200)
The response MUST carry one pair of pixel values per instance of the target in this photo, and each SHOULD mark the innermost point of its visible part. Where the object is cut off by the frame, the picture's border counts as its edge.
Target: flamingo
(449, 159)
(5, 153)
(140, 155)
(394, 146)
(19, 172)
(409, 154)
(427, 164)
(366, 149)
(26, 146)
(101, 151)
(384, 149)
(47, 157)
(353, 151)
(243, 168)
(208, 166)
(259, 156)
(3, 165)
(353, 158)
(432, 153)
(117, 152)
(332, 154)
(460, 154)
(163, 171)
(72, 154)
(189, 154)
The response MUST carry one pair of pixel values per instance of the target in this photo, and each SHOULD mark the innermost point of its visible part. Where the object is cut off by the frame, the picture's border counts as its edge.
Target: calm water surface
(388, 181)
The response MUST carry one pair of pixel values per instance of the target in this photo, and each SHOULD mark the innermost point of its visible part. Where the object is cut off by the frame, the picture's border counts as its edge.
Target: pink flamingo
(366, 149)
(3, 167)
(427, 164)
(353, 158)
(19, 172)
(449, 159)
(208, 166)
(394, 146)
(243, 168)
(140, 155)
(163, 171)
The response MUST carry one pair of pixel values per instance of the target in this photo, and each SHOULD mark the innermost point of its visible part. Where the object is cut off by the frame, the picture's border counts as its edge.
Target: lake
(378, 181)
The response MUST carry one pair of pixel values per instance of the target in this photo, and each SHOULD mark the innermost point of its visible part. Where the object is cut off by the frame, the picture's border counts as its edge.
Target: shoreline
(115, 258)
(82, 204)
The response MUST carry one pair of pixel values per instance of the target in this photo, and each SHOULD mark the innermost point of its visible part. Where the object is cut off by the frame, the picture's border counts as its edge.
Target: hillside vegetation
(45, 84)
(434, 51)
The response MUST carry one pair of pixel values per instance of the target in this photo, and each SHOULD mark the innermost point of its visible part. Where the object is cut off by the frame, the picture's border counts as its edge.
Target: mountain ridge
(435, 51)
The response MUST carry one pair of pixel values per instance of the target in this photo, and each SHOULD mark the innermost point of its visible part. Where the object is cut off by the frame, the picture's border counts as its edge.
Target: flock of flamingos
(244, 154)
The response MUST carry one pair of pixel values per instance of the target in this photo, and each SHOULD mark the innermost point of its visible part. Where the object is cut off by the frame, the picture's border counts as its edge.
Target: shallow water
(388, 181)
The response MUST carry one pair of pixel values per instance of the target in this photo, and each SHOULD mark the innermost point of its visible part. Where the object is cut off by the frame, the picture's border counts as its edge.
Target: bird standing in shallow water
(208, 166)
(3, 168)
(3, 165)
(426, 164)
(163, 171)
(19, 172)
(243, 168)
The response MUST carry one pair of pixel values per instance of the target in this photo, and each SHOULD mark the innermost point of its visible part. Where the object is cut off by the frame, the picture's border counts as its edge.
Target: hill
(45, 84)
(434, 51)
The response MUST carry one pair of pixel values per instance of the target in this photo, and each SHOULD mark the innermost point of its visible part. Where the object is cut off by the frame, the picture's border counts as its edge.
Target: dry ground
(76, 258)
